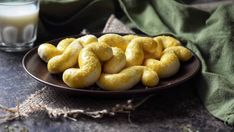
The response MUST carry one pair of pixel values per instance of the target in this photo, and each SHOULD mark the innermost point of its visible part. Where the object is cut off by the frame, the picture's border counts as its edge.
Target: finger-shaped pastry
(114, 40)
(182, 53)
(90, 66)
(129, 37)
(87, 39)
(167, 41)
(138, 46)
(127, 78)
(157, 53)
(62, 45)
(168, 65)
(66, 60)
(46, 51)
(116, 63)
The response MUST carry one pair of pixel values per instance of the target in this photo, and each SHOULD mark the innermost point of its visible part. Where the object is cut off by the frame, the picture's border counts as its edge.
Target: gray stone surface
(173, 110)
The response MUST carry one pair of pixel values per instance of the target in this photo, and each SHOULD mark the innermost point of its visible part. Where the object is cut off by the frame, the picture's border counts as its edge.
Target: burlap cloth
(58, 104)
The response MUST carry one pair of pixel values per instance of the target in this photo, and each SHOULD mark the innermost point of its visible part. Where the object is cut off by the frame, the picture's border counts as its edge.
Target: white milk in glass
(18, 25)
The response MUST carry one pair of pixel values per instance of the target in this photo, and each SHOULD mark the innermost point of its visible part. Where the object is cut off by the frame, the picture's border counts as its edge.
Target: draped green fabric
(209, 34)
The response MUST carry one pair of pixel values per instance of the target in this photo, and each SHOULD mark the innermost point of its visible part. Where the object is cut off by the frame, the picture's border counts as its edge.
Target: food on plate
(167, 66)
(130, 37)
(87, 39)
(46, 51)
(167, 41)
(62, 45)
(114, 62)
(90, 68)
(114, 40)
(182, 53)
(127, 78)
(138, 47)
(66, 60)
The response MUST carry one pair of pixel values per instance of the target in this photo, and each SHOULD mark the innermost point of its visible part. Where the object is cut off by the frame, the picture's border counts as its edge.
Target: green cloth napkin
(209, 34)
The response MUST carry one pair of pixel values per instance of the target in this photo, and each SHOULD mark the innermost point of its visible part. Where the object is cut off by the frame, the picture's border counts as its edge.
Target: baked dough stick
(140, 46)
(114, 40)
(66, 60)
(167, 41)
(47, 51)
(116, 63)
(128, 78)
(90, 59)
(168, 65)
(87, 39)
(130, 37)
(182, 53)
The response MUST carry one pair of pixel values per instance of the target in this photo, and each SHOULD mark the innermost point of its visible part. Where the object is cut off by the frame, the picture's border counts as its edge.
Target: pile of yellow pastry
(114, 62)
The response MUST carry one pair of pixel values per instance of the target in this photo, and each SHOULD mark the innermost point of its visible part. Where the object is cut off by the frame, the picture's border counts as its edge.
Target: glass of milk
(18, 24)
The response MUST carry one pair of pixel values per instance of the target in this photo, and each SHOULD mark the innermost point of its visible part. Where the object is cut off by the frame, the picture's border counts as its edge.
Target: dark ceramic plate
(37, 69)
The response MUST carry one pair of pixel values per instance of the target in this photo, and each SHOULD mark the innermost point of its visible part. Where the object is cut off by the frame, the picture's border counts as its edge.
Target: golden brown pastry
(66, 60)
(114, 62)
(90, 59)
(140, 46)
(114, 40)
(167, 41)
(128, 78)
(167, 66)
(47, 51)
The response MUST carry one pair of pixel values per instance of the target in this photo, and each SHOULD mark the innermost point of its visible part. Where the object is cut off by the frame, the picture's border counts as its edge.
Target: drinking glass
(18, 24)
